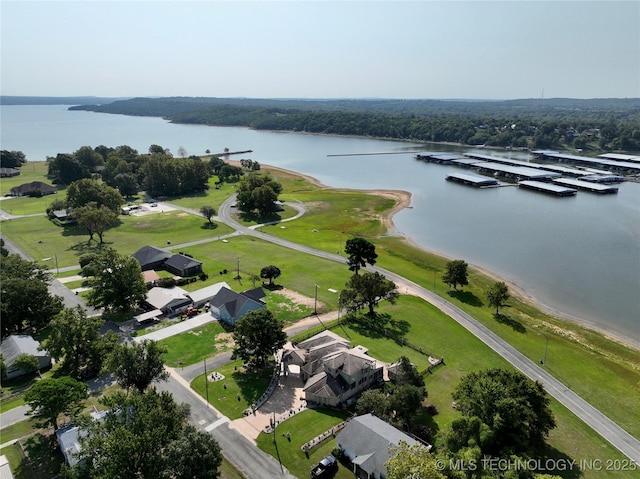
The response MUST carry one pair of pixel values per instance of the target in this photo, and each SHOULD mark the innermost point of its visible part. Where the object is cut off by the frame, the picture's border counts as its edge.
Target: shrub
(166, 282)
(85, 259)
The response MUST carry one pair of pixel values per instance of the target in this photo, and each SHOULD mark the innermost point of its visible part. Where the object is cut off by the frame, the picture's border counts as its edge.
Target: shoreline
(403, 200)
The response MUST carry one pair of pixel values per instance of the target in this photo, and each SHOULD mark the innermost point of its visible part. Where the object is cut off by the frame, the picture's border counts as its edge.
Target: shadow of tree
(506, 320)
(561, 458)
(256, 218)
(43, 457)
(209, 226)
(253, 384)
(466, 297)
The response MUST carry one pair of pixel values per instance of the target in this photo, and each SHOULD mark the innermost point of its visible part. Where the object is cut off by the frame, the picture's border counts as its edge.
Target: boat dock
(472, 180)
(586, 185)
(629, 167)
(549, 188)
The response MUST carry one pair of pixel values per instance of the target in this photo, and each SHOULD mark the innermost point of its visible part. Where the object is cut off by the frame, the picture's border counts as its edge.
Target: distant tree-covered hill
(56, 100)
(597, 124)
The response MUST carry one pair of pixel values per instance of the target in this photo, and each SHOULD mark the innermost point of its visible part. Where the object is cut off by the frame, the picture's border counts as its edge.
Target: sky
(416, 49)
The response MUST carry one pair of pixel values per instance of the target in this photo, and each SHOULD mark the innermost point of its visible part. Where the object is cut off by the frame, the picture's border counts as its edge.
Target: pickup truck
(325, 468)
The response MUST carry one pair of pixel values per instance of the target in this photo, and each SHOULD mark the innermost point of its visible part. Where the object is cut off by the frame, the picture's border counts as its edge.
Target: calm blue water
(579, 256)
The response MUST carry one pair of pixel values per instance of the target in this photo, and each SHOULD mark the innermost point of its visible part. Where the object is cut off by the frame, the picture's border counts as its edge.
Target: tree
(360, 252)
(456, 274)
(373, 401)
(515, 408)
(270, 272)
(25, 300)
(498, 295)
(27, 363)
(88, 158)
(117, 284)
(126, 183)
(412, 461)
(138, 365)
(408, 373)
(85, 191)
(146, 436)
(368, 289)
(96, 219)
(257, 336)
(208, 212)
(66, 169)
(50, 397)
(12, 159)
(75, 340)
(257, 192)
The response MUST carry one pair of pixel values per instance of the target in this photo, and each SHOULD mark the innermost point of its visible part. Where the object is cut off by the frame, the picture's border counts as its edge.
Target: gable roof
(255, 294)
(207, 292)
(162, 297)
(182, 262)
(150, 254)
(371, 454)
(17, 344)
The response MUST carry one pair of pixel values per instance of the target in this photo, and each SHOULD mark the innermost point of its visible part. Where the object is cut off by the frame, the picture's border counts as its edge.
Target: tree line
(599, 124)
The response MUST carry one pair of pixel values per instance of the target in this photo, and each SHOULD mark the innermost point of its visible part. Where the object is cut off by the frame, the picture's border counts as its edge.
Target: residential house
(228, 306)
(32, 188)
(332, 371)
(151, 257)
(183, 265)
(69, 437)
(15, 345)
(204, 295)
(5, 468)
(8, 172)
(168, 300)
(63, 217)
(366, 441)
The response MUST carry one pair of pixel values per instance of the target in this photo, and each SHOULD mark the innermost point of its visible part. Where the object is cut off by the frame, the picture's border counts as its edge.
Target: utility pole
(315, 302)
(206, 381)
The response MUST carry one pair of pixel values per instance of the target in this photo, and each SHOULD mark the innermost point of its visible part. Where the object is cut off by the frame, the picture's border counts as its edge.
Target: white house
(17, 344)
(206, 294)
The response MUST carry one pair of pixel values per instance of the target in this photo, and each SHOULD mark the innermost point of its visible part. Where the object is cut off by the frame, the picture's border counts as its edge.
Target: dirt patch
(299, 298)
(224, 339)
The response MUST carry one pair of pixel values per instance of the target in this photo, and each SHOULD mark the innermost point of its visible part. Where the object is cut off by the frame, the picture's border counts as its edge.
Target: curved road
(609, 430)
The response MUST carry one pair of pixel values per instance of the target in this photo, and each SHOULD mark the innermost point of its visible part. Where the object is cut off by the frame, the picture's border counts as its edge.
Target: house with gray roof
(183, 265)
(168, 300)
(69, 437)
(33, 188)
(228, 306)
(154, 258)
(15, 345)
(366, 441)
(332, 371)
(206, 294)
(151, 257)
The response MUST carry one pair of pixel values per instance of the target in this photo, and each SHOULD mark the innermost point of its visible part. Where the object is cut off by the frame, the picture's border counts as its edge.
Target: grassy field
(195, 345)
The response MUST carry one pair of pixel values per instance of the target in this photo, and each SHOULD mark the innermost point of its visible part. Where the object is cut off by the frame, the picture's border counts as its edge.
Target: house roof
(33, 186)
(150, 254)
(255, 294)
(150, 276)
(5, 468)
(17, 344)
(182, 262)
(207, 292)
(371, 454)
(162, 297)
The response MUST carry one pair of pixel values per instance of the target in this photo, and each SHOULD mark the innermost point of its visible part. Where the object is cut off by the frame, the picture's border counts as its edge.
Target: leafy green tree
(515, 408)
(367, 290)
(96, 219)
(3, 368)
(373, 401)
(405, 402)
(146, 436)
(360, 252)
(258, 192)
(88, 158)
(270, 272)
(215, 164)
(257, 336)
(117, 284)
(208, 212)
(456, 274)
(50, 397)
(412, 461)
(138, 365)
(27, 363)
(25, 300)
(75, 340)
(12, 159)
(65, 169)
(126, 183)
(498, 295)
(408, 373)
(156, 149)
(85, 191)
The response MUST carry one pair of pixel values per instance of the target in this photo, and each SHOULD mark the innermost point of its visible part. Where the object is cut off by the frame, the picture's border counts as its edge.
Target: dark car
(325, 468)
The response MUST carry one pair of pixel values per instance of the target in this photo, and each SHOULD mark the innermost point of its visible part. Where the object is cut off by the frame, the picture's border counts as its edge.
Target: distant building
(8, 172)
(15, 345)
(30, 189)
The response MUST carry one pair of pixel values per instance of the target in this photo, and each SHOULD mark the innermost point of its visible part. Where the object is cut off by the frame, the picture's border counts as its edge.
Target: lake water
(578, 255)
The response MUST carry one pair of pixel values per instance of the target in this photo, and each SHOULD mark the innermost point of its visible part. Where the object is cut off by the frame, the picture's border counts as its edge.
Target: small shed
(15, 345)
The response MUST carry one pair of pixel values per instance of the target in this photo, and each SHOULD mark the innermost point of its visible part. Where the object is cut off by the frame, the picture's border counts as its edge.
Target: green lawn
(195, 345)
(214, 196)
(302, 428)
(232, 395)
(40, 238)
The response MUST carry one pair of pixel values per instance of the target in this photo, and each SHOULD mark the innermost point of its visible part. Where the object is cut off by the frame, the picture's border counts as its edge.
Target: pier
(586, 185)
(549, 188)
(472, 180)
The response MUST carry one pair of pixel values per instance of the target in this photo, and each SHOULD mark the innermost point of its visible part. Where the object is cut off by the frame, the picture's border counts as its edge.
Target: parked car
(325, 468)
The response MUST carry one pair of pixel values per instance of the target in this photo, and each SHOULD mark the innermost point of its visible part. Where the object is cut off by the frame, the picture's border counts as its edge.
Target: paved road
(609, 430)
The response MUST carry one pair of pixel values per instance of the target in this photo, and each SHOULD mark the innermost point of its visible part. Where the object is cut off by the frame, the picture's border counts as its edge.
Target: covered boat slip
(472, 180)
(549, 188)
(586, 185)
(516, 172)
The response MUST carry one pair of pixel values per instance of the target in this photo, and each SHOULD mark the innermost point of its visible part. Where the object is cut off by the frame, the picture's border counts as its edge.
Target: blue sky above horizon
(322, 49)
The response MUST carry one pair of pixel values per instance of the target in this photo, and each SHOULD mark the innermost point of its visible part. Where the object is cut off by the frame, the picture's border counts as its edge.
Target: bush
(166, 282)
(203, 276)
(85, 259)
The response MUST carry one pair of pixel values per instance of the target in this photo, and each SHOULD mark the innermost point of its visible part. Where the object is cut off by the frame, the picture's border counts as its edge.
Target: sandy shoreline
(403, 200)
